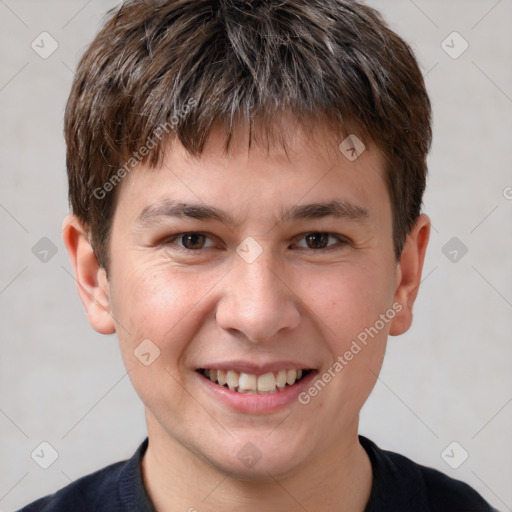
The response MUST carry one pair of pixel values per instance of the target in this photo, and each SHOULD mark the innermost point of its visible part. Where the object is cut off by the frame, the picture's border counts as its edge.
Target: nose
(257, 302)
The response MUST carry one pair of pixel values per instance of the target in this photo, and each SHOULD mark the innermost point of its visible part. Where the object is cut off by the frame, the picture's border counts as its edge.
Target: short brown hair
(334, 61)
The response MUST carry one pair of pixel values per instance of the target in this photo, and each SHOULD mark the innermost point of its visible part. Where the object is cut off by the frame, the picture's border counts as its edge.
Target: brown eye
(193, 240)
(317, 240)
(190, 241)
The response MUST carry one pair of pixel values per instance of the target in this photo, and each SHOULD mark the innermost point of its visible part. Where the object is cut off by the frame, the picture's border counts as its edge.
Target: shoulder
(401, 484)
(114, 488)
(81, 494)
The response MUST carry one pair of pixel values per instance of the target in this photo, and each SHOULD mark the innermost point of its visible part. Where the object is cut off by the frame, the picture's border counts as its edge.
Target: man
(246, 181)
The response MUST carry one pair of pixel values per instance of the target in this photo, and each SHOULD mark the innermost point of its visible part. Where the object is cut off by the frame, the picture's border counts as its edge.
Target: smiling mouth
(251, 384)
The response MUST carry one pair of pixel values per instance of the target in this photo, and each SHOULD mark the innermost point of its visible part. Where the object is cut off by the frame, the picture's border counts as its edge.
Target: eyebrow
(338, 209)
(176, 209)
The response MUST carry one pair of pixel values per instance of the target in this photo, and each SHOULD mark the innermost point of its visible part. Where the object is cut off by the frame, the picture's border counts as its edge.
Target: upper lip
(256, 369)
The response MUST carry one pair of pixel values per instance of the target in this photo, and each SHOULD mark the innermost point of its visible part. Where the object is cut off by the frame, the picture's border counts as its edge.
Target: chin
(246, 462)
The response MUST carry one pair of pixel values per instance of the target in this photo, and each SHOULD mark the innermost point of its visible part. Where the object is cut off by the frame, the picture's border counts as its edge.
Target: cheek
(348, 300)
(151, 302)
(163, 308)
(347, 308)
(349, 304)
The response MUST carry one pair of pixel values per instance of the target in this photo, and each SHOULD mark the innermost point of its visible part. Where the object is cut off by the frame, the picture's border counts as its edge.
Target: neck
(178, 480)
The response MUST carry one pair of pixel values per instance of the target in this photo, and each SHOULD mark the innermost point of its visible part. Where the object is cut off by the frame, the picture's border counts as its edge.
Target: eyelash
(342, 241)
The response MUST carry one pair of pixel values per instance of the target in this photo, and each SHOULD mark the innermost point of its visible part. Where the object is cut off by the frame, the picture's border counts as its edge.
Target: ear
(92, 282)
(409, 274)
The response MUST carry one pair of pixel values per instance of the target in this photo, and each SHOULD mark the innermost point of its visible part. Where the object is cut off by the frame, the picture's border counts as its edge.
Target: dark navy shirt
(399, 485)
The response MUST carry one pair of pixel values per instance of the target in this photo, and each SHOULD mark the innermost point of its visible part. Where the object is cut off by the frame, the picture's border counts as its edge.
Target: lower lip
(257, 404)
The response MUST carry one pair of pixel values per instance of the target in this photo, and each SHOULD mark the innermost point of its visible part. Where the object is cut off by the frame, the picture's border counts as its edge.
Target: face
(238, 270)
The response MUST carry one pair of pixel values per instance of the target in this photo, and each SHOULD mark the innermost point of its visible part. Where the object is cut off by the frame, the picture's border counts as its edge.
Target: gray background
(447, 379)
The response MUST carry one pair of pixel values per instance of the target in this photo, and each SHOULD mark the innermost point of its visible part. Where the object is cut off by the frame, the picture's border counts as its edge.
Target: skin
(293, 302)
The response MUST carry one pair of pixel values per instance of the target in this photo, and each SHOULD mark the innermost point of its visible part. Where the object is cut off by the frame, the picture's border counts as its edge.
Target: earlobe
(92, 283)
(409, 274)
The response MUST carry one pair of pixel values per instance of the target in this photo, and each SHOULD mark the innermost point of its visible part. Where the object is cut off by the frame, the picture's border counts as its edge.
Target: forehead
(258, 174)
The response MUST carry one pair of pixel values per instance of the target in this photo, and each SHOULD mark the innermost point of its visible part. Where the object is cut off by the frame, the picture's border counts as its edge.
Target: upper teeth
(250, 383)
